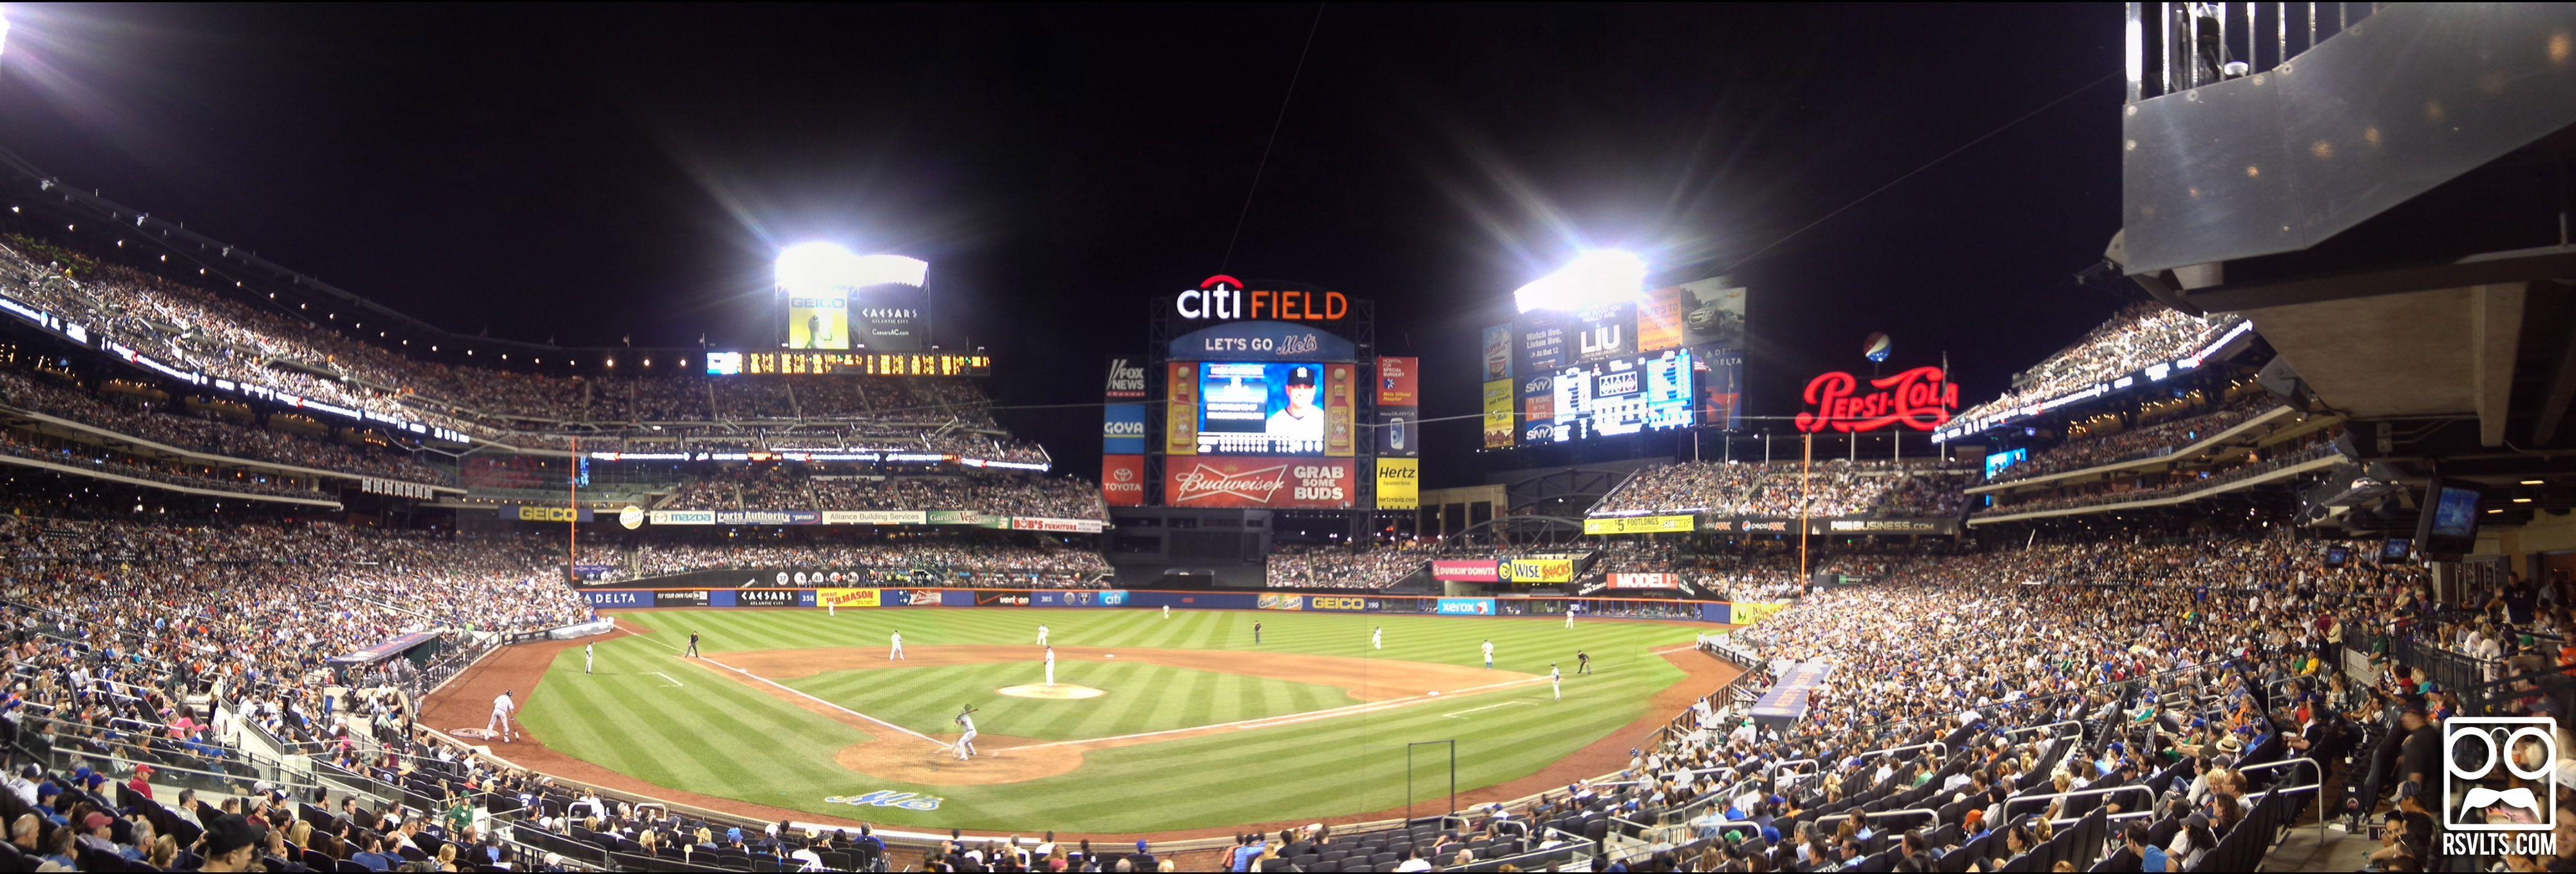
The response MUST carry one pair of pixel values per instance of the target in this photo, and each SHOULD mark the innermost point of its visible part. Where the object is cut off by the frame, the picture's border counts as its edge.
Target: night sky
(586, 173)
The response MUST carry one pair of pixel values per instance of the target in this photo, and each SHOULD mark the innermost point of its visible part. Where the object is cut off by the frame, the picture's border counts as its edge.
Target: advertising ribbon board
(1466, 606)
(1471, 571)
(1539, 570)
(1641, 525)
(848, 597)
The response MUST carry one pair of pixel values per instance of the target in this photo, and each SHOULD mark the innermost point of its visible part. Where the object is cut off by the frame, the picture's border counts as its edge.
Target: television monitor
(2336, 556)
(2000, 461)
(2448, 523)
(2396, 549)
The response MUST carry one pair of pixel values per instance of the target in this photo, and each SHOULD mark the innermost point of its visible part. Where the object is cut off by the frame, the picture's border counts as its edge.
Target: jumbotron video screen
(1261, 408)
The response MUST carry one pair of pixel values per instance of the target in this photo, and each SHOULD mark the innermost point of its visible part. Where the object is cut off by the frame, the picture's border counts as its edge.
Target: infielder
(1555, 681)
(585, 659)
(1256, 634)
(897, 654)
(966, 742)
(499, 727)
(1489, 655)
(1582, 662)
(1377, 638)
(1050, 660)
(1042, 633)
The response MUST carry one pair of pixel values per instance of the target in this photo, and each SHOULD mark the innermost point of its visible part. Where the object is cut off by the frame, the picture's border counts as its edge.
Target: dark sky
(589, 172)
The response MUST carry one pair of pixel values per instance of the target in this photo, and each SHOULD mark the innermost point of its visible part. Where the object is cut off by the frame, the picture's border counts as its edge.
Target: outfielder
(585, 659)
(1489, 655)
(499, 727)
(1569, 616)
(1256, 634)
(1042, 633)
(897, 654)
(1050, 660)
(966, 742)
(1377, 637)
(1167, 611)
(1555, 681)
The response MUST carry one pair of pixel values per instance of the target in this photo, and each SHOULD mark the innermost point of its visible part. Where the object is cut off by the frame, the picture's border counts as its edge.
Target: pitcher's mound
(1058, 692)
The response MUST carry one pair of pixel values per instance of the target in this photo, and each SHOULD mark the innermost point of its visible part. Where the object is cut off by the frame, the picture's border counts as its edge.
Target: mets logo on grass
(885, 798)
(2492, 821)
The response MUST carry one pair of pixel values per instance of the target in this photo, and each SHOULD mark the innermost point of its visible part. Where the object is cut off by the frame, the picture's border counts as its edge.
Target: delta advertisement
(1498, 414)
(1260, 483)
(1468, 571)
(1399, 484)
(1122, 480)
(1641, 525)
(1539, 570)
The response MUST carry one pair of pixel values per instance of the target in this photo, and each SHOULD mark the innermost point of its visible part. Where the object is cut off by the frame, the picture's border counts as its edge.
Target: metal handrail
(2079, 727)
(1865, 815)
(1943, 754)
(1774, 770)
(2010, 803)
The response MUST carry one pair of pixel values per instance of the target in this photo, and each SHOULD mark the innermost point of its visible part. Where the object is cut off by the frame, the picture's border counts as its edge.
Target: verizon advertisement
(1122, 480)
(1260, 483)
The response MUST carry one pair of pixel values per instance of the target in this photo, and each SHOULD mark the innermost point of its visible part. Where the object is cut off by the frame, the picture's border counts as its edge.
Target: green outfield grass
(724, 738)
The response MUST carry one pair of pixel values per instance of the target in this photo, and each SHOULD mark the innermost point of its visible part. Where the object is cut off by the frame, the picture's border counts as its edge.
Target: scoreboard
(806, 362)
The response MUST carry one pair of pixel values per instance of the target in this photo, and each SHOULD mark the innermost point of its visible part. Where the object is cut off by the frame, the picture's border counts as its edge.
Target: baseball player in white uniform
(897, 654)
(1377, 638)
(1569, 616)
(585, 659)
(1167, 611)
(1489, 655)
(1556, 681)
(1042, 633)
(966, 742)
(499, 727)
(1050, 662)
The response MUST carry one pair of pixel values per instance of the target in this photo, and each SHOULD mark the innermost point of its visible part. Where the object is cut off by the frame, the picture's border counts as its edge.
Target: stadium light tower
(4, 30)
(1595, 278)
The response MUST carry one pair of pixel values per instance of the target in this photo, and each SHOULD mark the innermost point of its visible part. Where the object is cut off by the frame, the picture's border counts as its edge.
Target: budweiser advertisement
(1122, 480)
(1921, 399)
(1260, 482)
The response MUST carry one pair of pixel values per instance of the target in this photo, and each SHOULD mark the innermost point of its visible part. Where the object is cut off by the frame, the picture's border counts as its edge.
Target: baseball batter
(897, 654)
(966, 742)
(1050, 665)
(1489, 655)
(1042, 633)
(499, 728)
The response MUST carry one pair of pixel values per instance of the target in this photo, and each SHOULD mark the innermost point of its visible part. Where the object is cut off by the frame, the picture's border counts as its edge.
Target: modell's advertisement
(1260, 483)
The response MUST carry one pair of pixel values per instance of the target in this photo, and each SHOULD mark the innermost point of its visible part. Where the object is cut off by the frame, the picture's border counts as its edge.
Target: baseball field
(1155, 726)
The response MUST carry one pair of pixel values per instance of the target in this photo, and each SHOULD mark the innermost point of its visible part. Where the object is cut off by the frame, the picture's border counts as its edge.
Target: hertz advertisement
(1399, 484)
(1641, 525)
(1539, 570)
(818, 322)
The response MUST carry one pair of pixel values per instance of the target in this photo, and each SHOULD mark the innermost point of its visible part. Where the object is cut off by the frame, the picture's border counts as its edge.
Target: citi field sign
(1223, 299)
(1922, 399)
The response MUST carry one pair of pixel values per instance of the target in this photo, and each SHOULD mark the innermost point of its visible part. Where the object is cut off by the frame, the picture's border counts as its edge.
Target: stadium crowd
(1341, 567)
(133, 417)
(2144, 334)
(2310, 448)
(963, 560)
(1836, 487)
(782, 487)
(2140, 442)
(96, 458)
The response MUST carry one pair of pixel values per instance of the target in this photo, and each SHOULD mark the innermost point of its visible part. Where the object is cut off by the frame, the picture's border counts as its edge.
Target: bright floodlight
(1596, 278)
(4, 30)
(827, 266)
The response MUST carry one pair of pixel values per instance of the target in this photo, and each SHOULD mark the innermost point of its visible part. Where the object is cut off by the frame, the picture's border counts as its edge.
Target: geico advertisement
(1259, 482)
(1539, 570)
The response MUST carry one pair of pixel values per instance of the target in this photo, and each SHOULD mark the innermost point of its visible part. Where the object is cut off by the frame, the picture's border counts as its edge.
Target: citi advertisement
(1466, 606)
(1122, 429)
(1122, 480)
(1539, 570)
(1498, 414)
(1399, 484)
(1260, 483)
(1472, 571)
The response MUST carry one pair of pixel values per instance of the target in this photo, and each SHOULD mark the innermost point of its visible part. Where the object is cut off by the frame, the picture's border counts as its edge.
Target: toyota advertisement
(1260, 483)
(1122, 480)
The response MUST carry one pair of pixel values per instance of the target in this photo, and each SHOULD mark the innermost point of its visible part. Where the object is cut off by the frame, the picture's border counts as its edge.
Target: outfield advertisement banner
(849, 597)
(526, 513)
(1064, 526)
(773, 597)
(1645, 581)
(1539, 570)
(955, 517)
(875, 517)
(1342, 603)
(1752, 612)
(1283, 602)
(619, 598)
(681, 598)
(1641, 525)
(1469, 571)
(1053, 598)
(768, 517)
(682, 517)
(980, 598)
(1466, 606)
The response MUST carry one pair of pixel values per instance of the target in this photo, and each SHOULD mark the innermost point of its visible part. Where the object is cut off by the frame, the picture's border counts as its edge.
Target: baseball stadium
(688, 464)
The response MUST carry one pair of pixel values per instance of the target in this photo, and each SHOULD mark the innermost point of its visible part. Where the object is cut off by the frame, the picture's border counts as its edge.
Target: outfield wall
(1720, 612)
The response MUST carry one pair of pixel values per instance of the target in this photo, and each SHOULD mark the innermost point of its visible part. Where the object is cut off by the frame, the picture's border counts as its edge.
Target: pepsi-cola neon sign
(1921, 399)
(1223, 298)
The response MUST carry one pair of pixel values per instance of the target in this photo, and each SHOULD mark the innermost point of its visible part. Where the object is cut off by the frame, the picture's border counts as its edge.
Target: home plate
(1057, 692)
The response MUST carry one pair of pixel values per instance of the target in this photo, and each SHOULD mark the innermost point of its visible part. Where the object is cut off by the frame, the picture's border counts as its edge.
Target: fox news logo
(2473, 747)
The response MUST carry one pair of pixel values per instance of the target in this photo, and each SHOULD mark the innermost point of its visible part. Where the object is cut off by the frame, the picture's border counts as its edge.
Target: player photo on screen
(1260, 409)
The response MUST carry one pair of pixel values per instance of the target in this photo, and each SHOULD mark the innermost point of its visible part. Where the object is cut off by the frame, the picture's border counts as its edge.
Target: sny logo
(2472, 748)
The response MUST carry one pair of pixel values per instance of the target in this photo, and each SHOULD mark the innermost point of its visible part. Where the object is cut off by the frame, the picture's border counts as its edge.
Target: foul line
(1290, 719)
(933, 741)
(1454, 714)
(674, 680)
